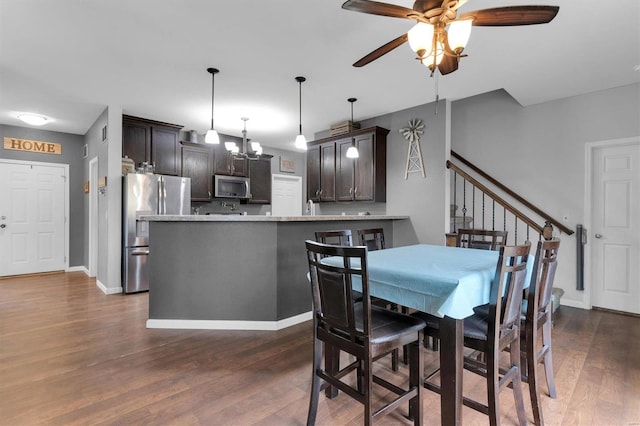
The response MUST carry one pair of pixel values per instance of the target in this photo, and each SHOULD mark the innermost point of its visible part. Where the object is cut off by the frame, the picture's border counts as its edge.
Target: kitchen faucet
(231, 205)
(311, 208)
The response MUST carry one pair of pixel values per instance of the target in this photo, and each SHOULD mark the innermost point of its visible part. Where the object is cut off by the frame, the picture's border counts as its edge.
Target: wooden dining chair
(361, 329)
(537, 311)
(491, 331)
(481, 239)
(344, 237)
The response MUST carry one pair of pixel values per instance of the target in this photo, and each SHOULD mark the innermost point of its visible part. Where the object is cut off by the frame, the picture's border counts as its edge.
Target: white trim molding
(185, 324)
(108, 290)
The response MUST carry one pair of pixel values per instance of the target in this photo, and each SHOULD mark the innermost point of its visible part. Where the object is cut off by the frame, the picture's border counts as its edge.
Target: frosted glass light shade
(352, 152)
(458, 34)
(420, 38)
(33, 119)
(255, 147)
(301, 142)
(212, 137)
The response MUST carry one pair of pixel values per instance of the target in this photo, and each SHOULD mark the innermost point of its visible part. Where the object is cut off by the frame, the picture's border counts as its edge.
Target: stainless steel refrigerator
(147, 194)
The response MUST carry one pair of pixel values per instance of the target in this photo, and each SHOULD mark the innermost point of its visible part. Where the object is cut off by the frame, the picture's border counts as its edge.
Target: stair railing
(479, 193)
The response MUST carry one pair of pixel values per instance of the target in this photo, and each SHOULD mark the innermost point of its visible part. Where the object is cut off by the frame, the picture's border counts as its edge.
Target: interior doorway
(613, 218)
(286, 195)
(34, 230)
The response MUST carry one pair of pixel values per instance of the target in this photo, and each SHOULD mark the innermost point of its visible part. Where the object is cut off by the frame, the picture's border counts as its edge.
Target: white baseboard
(574, 304)
(228, 325)
(108, 290)
(78, 269)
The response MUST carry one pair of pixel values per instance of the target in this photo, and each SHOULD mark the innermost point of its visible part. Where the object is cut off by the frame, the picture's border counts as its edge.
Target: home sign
(33, 146)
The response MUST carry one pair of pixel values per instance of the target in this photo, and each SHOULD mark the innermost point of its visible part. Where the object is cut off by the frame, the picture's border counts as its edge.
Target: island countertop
(263, 218)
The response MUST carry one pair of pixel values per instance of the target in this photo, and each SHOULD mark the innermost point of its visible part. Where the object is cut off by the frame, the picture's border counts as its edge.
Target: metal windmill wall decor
(414, 155)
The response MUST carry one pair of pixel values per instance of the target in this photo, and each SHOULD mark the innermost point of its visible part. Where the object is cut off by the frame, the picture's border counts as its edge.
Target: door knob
(598, 236)
(3, 226)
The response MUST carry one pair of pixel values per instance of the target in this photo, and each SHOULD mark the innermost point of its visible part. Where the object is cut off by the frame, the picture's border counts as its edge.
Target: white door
(615, 233)
(32, 218)
(286, 195)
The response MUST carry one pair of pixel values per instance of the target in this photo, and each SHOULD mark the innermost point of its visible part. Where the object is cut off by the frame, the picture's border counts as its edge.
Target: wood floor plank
(71, 355)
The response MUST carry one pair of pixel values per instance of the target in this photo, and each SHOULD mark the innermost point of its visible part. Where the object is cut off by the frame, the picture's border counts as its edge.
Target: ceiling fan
(440, 35)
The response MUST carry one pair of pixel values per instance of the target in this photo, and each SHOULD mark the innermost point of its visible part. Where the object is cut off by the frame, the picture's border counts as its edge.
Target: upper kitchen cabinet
(260, 175)
(363, 178)
(153, 142)
(197, 162)
(321, 172)
(226, 164)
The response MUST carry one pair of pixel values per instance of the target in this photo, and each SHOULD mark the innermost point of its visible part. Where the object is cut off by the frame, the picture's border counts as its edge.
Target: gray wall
(71, 155)
(539, 152)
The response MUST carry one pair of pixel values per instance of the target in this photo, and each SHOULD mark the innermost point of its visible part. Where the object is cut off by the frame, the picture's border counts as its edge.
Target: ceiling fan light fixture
(458, 34)
(212, 136)
(421, 38)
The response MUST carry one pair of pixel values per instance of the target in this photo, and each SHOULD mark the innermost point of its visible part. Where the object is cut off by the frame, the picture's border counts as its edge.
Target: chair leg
(529, 368)
(332, 366)
(367, 384)
(514, 356)
(416, 376)
(315, 384)
(493, 389)
(547, 360)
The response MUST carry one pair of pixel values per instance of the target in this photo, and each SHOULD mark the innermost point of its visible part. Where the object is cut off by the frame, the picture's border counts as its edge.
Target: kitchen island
(238, 272)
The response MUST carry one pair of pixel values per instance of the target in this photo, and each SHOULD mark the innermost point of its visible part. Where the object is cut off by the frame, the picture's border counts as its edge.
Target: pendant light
(352, 152)
(212, 136)
(301, 142)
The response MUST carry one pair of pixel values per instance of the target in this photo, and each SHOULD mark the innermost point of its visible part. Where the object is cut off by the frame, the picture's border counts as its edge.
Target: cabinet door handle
(350, 191)
(355, 191)
(317, 193)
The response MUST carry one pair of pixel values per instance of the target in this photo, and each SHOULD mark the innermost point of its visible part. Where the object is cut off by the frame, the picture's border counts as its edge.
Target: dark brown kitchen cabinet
(153, 142)
(321, 172)
(226, 164)
(363, 178)
(260, 178)
(196, 162)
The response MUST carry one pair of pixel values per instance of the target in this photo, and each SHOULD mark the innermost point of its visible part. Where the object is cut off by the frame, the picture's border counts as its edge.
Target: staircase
(479, 201)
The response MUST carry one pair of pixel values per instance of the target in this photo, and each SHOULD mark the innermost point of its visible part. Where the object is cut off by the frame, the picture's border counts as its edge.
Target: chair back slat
(481, 239)
(542, 277)
(508, 284)
(372, 238)
(339, 237)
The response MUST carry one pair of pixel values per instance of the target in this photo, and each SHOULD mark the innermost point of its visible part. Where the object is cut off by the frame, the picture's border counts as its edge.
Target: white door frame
(66, 199)
(93, 218)
(590, 147)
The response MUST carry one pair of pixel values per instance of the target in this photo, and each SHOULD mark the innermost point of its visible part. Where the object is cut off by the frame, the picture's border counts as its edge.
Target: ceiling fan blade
(378, 8)
(448, 64)
(382, 50)
(424, 5)
(512, 15)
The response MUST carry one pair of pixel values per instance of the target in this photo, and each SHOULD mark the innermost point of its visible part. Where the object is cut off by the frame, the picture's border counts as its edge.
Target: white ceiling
(68, 59)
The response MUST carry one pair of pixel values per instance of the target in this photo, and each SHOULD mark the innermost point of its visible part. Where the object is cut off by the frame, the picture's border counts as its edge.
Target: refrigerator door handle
(162, 193)
(140, 253)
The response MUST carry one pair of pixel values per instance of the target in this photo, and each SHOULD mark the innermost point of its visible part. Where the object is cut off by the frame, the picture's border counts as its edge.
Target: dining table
(447, 282)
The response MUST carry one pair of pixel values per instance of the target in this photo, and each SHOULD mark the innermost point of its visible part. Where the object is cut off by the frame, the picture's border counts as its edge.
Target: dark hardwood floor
(70, 355)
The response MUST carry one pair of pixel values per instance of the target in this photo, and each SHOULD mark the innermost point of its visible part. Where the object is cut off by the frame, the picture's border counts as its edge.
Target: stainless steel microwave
(231, 187)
